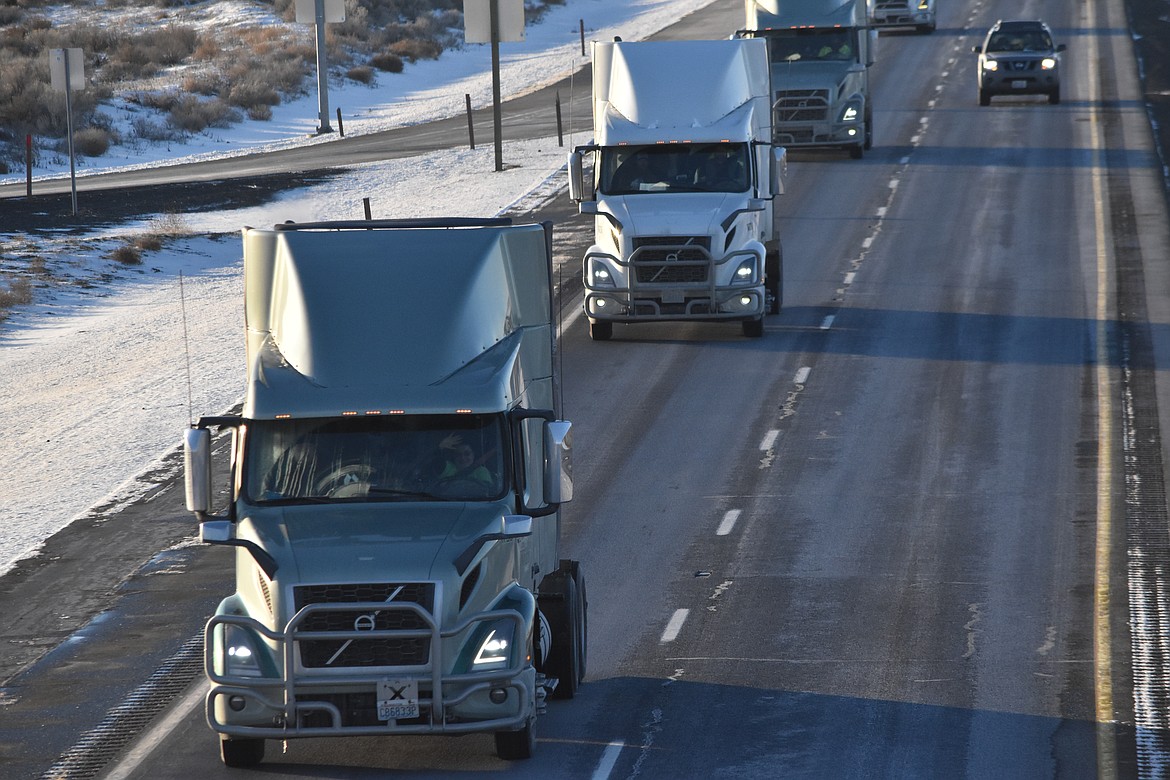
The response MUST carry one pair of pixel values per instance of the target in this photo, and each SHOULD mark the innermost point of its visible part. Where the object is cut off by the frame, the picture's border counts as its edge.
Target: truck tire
(774, 275)
(517, 745)
(241, 753)
(753, 329)
(563, 603)
(857, 151)
(600, 330)
(868, 126)
(984, 97)
(1054, 96)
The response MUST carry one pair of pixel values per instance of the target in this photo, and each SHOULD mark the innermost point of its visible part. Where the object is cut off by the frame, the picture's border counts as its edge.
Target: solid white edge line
(674, 626)
(150, 741)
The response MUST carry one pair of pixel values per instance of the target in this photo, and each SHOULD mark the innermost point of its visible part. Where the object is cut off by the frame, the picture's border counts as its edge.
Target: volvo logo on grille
(672, 257)
(364, 623)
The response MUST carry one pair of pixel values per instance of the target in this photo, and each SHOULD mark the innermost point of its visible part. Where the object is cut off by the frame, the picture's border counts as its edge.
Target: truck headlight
(851, 113)
(990, 65)
(746, 272)
(923, 5)
(599, 275)
(495, 649)
(1048, 63)
(241, 656)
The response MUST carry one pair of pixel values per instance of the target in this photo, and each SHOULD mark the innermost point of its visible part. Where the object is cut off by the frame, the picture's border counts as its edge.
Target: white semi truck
(395, 482)
(821, 53)
(918, 14)
(684, 173)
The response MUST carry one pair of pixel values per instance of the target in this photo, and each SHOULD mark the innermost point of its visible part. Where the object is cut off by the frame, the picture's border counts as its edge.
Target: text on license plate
(397, 699)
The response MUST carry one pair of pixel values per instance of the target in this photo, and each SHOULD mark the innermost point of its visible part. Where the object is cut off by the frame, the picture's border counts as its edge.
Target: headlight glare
(850, 114)
(1048, 63)
(599, 275)
(496, 647)
(746, 272)
(990, 65)
(240, 655)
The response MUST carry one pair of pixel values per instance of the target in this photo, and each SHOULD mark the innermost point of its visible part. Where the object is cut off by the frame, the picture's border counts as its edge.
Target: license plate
(1019, 84)
(672, 296)
(397, 699)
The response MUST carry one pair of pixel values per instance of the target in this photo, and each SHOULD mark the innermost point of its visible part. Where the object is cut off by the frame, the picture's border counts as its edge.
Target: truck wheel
(774, 273)
(600, 330)
(868, 127)
(856, 152)
(517, 745)
(753, 329)
(241, 753)
(1054, 96)
(926, 29)
(563, 602)
(984, 97)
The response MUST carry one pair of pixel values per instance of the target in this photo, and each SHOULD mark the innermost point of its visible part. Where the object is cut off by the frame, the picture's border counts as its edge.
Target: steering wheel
(346, 481)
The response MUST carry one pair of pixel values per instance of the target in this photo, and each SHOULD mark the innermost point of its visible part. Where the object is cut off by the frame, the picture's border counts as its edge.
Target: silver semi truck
(395, 482)
(684, 173)
(821, 53)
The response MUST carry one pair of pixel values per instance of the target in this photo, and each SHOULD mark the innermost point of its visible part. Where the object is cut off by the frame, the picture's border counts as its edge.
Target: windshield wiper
(385, 491)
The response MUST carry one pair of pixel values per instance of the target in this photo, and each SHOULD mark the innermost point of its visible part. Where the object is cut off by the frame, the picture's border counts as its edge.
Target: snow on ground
(94, 389)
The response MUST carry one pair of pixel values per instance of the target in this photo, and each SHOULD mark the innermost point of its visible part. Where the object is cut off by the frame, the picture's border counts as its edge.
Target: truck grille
(801, 105)
(377, 651)
(672, 259)
(892, 6)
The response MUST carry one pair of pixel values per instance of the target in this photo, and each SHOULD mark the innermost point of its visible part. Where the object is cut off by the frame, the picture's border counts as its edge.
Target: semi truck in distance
(821, 52)
(918, 14)
(682, 173)
(396, 477)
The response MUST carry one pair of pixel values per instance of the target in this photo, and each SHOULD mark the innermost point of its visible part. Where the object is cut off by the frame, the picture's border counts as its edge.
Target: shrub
(91, 141)
(18, 293)
(391, 63)
(194, 115)
(414, 49)
(260, 113)
(127, 254)
(363, 74)
(252, 92)
(150, 130)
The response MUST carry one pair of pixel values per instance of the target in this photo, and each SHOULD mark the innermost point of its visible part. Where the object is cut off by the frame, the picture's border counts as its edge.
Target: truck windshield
(830, 43)
(717, 167)
(391, 458)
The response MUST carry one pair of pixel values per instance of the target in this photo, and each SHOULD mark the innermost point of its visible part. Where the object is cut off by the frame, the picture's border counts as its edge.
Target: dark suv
(1019, 58)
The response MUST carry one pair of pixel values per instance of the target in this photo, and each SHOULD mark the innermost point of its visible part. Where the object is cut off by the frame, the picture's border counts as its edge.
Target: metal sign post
(67, 73)
(318, 13)
(493, 21)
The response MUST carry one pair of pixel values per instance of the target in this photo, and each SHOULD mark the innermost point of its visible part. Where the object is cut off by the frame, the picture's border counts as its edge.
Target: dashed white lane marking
(769, 439)
(675, 625)
(608, 759)
(728, 522)
(827, 322)
(802, 375)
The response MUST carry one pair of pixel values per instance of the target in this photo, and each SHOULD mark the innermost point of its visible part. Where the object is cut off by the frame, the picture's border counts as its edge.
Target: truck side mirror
(778, 169)
(197, 468)
(576, 168)
(558, 462)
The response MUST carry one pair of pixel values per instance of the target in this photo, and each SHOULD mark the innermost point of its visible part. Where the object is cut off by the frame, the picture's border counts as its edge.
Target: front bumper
(343, 702)
(649, 290)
